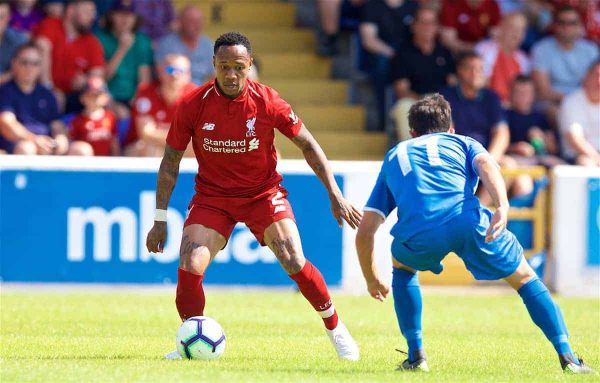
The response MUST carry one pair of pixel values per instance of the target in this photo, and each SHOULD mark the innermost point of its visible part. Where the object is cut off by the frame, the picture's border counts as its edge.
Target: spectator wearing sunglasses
(29, 118)
(154, 107)
(560, 61)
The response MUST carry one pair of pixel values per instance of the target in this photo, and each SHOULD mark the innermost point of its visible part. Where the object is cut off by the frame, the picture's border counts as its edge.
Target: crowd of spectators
(103, 77)
(522, 76)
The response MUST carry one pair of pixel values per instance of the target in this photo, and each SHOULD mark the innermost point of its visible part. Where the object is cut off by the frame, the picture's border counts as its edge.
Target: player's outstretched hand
(344, 210)
(498, 224)
(155, 242)
(378, 289)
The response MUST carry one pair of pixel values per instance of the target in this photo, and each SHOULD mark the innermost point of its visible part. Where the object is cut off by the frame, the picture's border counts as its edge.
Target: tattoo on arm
(167, 176)
(316, 159)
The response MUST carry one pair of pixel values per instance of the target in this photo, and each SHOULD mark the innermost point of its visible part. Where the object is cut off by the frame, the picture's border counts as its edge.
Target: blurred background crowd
(103, 77)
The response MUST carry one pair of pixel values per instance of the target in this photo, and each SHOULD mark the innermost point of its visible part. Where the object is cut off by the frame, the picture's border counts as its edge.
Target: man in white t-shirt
(579, 120)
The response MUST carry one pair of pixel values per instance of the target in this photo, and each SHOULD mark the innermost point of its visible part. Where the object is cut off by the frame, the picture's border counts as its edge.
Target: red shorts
(258, 213)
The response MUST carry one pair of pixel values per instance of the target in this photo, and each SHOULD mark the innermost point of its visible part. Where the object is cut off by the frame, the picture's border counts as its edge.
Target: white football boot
(173, 355)
(345, 346)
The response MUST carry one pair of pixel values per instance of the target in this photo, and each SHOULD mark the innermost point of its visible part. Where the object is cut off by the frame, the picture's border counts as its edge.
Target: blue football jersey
(430, 179)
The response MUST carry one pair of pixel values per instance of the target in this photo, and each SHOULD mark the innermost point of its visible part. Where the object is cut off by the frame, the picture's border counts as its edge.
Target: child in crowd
(96, 127)
(530, 134)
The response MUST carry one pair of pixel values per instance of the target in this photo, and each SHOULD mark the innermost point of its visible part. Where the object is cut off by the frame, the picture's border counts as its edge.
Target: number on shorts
(278, 202)
(433, 153)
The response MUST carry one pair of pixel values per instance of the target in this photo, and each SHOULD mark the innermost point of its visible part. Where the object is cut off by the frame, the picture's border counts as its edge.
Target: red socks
(313, 287)
(190, 294)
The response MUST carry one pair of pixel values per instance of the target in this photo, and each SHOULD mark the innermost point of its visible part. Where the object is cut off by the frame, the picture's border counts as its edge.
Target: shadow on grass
(81, 357)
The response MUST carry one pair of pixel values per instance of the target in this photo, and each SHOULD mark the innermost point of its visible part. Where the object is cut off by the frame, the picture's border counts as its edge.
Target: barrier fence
(67, 219)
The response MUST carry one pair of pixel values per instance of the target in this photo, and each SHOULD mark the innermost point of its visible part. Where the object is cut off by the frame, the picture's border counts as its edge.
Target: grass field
(276, 337)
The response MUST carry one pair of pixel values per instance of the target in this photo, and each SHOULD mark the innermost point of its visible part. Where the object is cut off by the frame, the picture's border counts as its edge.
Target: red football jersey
(98, 132)
(149, 101)
(70, 57)
(472, 24)
(233, 139)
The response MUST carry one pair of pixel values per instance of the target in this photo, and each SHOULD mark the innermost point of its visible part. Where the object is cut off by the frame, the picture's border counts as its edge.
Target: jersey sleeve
(46, 29)
(96, 53)
(474, 148)
(398, 69)
(496, 111)
(540, 59)
(381, 200)
(180, 131)
(53, 112)
(5, 100)
(145, 49)
(284, 118)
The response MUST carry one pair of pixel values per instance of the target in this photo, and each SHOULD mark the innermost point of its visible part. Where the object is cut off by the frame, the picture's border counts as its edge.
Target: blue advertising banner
(593, 258)
(90, 226)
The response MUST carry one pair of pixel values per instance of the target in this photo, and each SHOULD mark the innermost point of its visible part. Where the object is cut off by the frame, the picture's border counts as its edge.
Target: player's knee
(25, 148)
(81, 148)
(584, 160)
(522, 185)
(195, 258)
(521, 276)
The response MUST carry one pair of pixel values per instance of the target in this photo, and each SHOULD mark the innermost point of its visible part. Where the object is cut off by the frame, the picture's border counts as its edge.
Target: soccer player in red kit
(231, 121)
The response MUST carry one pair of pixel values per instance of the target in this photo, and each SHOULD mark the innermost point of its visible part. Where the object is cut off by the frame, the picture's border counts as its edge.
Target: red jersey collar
(241, 97)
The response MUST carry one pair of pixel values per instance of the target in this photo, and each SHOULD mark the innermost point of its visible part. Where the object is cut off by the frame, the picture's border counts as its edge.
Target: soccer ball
(200, 338)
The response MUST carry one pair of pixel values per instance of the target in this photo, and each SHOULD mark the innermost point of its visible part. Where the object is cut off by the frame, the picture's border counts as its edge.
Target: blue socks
(409, 306)
(546, 315)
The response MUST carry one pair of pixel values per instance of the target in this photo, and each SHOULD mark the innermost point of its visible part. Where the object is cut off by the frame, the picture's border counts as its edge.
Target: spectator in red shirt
(71, 53)
(503, 61)
(465, 22)
(154, 107)
(94, 130)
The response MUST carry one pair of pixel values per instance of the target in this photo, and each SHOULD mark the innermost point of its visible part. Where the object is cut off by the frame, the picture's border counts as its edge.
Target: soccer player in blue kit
(431, 179)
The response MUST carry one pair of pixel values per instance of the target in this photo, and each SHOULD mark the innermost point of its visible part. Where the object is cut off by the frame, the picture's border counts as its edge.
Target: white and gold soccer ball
(201, 338)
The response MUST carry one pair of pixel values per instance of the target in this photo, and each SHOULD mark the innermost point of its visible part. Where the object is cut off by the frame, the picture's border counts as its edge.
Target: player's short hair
(26, 46)
(565, 9)
(75, 2)
(465, 56)
(431, 114)
(232, 38)
(5, 2)
(522, 79)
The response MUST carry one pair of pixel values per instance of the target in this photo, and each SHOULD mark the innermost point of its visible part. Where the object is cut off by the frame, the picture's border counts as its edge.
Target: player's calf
(545, 313)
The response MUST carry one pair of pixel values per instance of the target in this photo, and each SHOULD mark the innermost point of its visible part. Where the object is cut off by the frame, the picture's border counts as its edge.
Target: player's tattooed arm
(316, 159)
(167, 176)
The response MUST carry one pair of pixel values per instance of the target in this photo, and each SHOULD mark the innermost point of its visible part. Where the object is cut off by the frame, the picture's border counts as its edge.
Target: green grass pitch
(99, 336)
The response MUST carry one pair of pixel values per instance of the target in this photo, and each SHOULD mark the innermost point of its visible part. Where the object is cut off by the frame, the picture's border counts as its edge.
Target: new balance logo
(253, 144)
(208, 126)
(293, 117)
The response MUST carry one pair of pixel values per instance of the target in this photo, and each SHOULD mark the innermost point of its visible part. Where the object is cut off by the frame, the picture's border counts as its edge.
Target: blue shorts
(465, 236)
